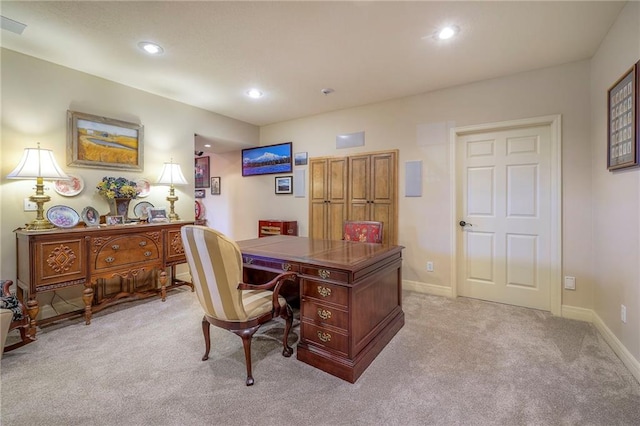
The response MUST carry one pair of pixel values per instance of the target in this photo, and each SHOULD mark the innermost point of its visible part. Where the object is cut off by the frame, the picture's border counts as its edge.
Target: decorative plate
(63, 216)
(199, 210)
(144, 186)
(140, 209)
(90, 216)
(69, 187)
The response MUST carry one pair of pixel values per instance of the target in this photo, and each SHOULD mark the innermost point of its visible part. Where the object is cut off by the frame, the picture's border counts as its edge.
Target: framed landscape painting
(269, 159)
(103, 143)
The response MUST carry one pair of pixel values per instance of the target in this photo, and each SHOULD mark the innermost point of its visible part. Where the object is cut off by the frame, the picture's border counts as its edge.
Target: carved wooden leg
(87, 298)
(247, 335)
(288, 321)
(163, 285)
(32, 310)
(207, 337)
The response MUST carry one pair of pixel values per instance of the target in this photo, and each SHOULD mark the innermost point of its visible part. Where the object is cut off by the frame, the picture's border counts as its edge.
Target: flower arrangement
(120, 187)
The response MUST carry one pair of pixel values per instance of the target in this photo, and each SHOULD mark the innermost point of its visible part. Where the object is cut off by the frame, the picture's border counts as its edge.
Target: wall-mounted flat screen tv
(266, 160)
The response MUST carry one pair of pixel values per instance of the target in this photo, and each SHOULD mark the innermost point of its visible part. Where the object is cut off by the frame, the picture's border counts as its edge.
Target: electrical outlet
(30, 206)
(429, 266)
(569, 283)
(623, 313)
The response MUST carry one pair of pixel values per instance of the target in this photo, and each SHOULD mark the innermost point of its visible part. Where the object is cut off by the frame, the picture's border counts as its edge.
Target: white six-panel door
(504, 207)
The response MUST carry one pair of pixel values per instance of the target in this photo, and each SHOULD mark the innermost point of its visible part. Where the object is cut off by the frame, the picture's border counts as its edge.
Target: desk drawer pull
(286, 267)
(248, 260)
(115, 246)
(142, 243)
(324, 274)
(110, 259)
(324, 314)
(323, 291)
(325, 337)
(147, 253)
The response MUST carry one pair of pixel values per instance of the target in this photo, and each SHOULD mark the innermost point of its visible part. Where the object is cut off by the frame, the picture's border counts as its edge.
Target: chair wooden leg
(288, 317)
(247, 335)
(206, 327)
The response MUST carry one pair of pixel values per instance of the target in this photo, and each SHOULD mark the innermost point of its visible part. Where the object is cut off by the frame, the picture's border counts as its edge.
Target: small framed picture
(284, 185)
(300, 158)
(158, 214)
(114, 220)
(200, 193)
(623, 142)
(215, 185)
(90, 216)
(202, 172)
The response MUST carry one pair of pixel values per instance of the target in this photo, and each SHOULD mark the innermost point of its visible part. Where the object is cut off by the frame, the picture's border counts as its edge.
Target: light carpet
(455, 362)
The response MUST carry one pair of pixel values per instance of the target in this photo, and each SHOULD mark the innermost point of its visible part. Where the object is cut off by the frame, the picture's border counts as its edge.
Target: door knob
(463, 223)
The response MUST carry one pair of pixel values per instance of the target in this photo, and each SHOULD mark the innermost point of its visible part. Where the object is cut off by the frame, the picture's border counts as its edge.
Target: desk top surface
(339, 254)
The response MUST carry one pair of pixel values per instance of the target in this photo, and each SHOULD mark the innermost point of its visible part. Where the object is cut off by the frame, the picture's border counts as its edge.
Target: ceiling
(366, 51)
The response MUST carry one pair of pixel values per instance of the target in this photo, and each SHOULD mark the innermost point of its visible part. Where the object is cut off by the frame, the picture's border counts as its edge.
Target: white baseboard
(580, 314)
(420, 287)
(623, 353)
(184, 276)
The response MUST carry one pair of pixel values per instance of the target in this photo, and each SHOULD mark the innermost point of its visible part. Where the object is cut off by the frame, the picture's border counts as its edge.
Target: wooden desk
(350, 293)
(91, 256)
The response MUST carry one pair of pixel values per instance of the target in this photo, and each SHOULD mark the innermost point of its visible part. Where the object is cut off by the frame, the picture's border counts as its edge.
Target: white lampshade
(37, 163)
(172, 175)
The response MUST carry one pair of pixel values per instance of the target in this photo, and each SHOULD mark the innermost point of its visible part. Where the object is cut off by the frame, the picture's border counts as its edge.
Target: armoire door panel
(359, 178)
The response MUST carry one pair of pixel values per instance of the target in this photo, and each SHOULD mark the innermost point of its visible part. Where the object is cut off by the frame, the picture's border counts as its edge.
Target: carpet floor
(455, 362)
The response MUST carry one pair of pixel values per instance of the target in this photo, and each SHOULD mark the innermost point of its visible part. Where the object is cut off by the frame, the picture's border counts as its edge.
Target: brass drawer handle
(248, 260)
(325, 337)
(115, 246)
(323, 291)
(147, 253)
(110, 259)
(286, 267)
(324, 314)
(324, 274)
(142, 243)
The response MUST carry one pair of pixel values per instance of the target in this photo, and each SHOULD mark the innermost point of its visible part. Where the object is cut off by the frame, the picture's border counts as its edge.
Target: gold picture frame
(104, 143)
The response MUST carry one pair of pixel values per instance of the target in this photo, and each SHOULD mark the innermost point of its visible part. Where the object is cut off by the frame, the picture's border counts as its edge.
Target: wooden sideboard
(113, 263)
(350, 296)
(268, 228)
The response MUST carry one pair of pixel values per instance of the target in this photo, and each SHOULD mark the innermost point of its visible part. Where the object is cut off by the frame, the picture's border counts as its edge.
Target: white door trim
(555, 125)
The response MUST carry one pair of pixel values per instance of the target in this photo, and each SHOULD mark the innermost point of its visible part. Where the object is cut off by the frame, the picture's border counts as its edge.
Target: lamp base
(40, 225)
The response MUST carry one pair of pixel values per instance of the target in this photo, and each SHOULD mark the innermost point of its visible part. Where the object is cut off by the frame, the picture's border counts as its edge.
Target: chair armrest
(5, 287)
(274, 285)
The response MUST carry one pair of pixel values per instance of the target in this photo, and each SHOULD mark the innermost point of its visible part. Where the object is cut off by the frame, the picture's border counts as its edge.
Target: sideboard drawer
(125, 250)
(325, 292)
(326, 338)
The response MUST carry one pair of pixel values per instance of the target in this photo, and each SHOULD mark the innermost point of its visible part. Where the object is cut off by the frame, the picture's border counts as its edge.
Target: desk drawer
(325, 273)
(325, 292)
(325, 338)
(275, 264)
(323, 315)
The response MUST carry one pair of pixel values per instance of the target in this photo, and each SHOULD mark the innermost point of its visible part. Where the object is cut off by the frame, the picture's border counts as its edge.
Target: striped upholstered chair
(215, 263)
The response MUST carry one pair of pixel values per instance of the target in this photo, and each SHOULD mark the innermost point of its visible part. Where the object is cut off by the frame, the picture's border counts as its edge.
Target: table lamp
(172, 175)
(38, 164)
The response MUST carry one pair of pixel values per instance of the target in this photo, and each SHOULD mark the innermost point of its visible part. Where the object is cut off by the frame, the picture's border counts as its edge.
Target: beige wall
(616, 195)
(35, 98)
(425, 223)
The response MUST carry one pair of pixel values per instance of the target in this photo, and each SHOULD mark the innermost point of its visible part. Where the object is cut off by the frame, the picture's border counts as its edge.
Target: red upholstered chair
(19, 319)
(363, 231)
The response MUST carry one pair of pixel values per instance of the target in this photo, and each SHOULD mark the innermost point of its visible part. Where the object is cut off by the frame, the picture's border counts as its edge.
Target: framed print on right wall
(623, 138)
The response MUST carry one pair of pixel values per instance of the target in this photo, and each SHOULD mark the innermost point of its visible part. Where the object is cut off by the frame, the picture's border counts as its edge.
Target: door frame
(554, 122)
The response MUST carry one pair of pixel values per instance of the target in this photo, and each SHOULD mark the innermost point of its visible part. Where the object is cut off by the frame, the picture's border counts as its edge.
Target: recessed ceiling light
(255, 93)
(207, 145)
(151, 48)
(447, 32)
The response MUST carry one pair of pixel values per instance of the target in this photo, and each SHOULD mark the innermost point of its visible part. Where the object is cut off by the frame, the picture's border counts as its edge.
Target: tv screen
(266, 160)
